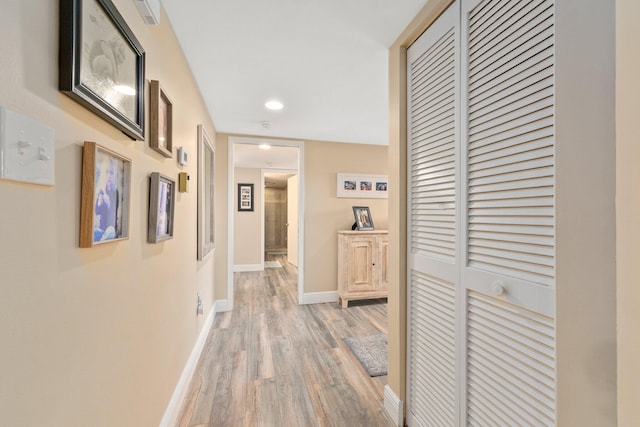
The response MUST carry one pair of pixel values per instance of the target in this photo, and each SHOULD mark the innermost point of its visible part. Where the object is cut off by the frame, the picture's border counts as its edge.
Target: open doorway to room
(266, 214)
(280, 215)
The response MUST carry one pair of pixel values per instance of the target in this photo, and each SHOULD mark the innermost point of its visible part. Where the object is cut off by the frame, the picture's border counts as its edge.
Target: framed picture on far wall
(162, 196)
(245, 197)
(105, 194)
(362, 186)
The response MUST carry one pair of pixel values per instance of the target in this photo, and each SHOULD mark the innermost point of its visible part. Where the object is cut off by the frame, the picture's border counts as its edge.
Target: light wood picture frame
(160, 120)
(162, 197)
(206, 194)
(105, 196)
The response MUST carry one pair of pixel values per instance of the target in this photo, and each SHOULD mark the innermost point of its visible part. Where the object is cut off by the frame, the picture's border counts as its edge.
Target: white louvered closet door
(508, 207)
(481, 317)
(433, 199)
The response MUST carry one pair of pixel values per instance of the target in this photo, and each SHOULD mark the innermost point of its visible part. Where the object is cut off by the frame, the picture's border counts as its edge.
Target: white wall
(247, 235)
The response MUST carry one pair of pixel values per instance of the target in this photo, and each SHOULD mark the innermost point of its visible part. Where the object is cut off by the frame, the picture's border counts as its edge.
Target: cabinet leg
(344, 303)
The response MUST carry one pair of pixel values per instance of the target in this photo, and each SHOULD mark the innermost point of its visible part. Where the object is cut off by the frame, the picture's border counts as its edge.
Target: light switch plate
(27, 149)
(182, 156)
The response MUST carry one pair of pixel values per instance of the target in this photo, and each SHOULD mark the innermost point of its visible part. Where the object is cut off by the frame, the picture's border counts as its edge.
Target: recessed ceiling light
(274, 105)
(264, 146)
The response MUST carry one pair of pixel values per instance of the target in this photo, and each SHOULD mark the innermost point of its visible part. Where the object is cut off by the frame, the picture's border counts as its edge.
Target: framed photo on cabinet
(363, 218)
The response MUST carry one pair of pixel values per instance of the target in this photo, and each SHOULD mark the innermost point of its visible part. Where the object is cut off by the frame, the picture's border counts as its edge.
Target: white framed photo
(362, 186)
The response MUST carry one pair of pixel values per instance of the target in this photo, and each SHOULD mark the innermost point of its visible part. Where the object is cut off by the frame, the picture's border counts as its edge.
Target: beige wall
(247, 226)
(628, 209)
(585, 212)
(93, 336)
(325, 213)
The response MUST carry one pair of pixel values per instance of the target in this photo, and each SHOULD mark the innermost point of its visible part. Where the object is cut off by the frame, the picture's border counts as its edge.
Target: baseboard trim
(393, 406)
(223, 305)
(247, 267)
(173, 409)
(320, 297)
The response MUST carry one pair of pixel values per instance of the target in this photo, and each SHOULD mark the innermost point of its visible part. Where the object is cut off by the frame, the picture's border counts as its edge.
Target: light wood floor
(271, 362)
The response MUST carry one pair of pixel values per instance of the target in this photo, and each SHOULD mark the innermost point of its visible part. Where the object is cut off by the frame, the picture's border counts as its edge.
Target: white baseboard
(248, 267)
(223, 305)
(393, 406)
(320, 297)
(173, 409)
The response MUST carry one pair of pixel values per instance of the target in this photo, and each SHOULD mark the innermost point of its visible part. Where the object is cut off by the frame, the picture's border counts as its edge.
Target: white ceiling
(253, 157)
(326, 60)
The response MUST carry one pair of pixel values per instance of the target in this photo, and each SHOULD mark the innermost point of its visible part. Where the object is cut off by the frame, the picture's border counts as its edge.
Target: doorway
(280, 214)
(268, 167)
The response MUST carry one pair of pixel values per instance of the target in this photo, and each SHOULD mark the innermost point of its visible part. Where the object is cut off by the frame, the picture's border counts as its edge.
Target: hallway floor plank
(271, 362)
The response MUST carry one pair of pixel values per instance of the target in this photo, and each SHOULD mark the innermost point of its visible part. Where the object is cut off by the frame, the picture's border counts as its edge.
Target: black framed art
(245, 197)
(101, 63)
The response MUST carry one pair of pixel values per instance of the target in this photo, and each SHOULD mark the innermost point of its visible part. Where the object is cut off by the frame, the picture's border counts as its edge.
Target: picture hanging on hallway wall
(104, 204)
(206, 194)
(245, 197)
(102, 63)
(362, 186)
(160, 120)
(162, 196)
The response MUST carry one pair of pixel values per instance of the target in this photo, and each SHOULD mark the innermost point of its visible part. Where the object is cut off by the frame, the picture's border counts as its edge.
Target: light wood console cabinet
(362, 265)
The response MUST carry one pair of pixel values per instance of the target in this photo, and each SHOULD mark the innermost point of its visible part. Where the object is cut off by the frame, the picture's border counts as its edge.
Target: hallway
(271, 362)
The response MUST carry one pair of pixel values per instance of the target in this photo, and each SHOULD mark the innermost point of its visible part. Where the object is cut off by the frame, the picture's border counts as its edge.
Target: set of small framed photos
(106, 197)
(362, 186)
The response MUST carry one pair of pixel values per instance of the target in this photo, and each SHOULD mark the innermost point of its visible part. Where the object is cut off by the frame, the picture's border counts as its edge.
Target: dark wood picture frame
(160, 120)
(105, 196)
(245, 197)
(364, 221)
(162, 198)
(102, 64)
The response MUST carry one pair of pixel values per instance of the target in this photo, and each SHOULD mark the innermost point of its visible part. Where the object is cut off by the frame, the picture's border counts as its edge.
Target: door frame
(231, 208)
(264, 171)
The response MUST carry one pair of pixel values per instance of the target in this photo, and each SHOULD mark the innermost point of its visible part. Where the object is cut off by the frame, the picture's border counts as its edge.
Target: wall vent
(149, 10)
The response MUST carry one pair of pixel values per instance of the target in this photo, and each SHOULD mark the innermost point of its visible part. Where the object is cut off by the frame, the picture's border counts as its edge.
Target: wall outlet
(199, 309)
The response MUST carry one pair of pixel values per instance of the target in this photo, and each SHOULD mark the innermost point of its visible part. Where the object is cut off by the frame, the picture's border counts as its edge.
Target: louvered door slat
(511, 358)
(432, 134)
(432, 354)
(518, 23)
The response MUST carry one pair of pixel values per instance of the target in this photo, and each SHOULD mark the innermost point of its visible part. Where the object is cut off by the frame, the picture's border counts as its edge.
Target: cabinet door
(382, 280)
(360, 269)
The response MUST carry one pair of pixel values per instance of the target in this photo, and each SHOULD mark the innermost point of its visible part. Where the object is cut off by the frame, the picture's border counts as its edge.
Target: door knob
(497, 289)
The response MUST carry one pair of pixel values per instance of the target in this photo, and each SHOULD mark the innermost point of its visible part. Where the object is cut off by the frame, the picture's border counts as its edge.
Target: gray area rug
(371, 352)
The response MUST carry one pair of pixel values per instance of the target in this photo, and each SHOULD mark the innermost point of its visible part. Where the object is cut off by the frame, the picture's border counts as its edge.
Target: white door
(292, 220)
(499, 306)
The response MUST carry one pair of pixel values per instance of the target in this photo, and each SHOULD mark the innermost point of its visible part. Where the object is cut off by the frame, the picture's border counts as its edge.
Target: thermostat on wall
(182, 156)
